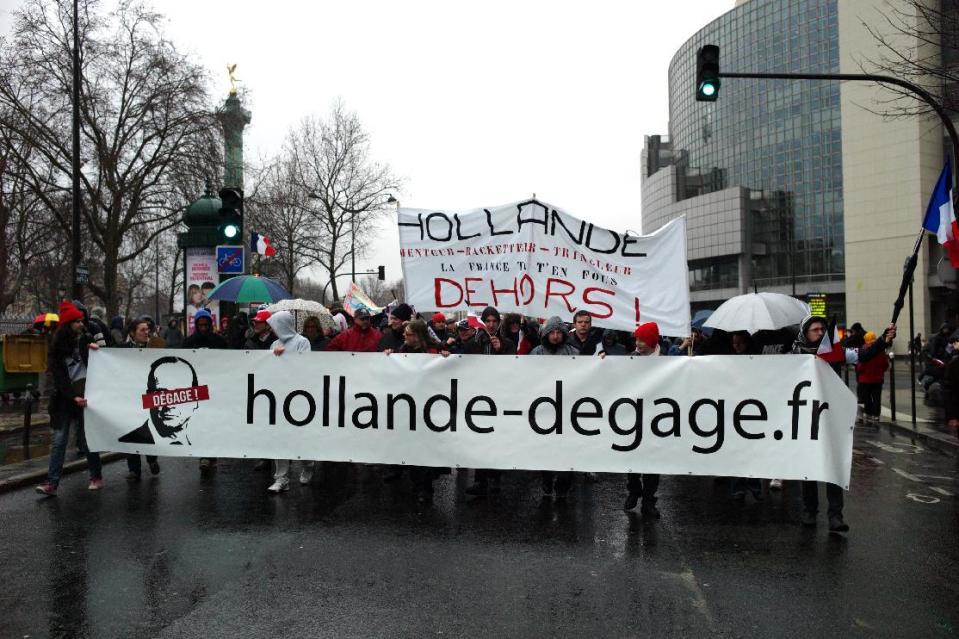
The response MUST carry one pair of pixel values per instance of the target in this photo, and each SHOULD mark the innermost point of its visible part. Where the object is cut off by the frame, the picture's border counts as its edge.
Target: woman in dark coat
(67, 368)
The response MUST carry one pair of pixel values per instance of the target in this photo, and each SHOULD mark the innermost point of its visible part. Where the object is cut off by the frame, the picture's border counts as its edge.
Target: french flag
(830, 349)
(260, 244)
(941, 217)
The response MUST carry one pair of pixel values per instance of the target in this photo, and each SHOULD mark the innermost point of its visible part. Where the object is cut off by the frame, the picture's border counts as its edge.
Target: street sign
(229, 259)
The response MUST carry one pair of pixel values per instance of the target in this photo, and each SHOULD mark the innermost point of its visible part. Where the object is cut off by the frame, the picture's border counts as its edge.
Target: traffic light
(231, 216)
(707, 73)
(381, 273)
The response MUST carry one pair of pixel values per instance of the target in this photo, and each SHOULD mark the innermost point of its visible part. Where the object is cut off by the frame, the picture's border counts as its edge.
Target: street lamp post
(77, 283)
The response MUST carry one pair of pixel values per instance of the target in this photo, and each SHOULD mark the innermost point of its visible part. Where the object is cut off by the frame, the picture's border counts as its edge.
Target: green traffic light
(230, 231)
(708, 89)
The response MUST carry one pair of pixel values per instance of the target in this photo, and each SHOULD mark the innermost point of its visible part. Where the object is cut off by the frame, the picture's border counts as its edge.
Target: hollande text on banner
(788, 417)
(533, 258)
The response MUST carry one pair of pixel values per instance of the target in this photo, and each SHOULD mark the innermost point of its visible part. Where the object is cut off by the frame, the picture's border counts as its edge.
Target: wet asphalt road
(181, 556)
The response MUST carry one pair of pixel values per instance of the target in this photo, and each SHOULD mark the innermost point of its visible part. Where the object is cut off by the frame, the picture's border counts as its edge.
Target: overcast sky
(472, 105)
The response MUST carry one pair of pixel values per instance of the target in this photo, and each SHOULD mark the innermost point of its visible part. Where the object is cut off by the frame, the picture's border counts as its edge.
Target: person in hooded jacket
(95, 331)
(555, 341)
(67, 369)
(116, 330)
(488, 342)
(644, 485)
(204, 337)
(172, 335)
(811, 332)
(612, 345)
(939, 342)
(492, 341)
(287, 339)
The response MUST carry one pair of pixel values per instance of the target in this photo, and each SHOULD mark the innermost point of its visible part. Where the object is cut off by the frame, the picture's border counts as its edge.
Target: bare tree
(918, 41)
(146, 122)
(26, 232)
(275, 209)
(346, 191)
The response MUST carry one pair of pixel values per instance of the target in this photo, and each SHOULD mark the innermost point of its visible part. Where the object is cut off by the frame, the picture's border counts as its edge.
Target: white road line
(941, 491)
(939, 477)
(908, 476)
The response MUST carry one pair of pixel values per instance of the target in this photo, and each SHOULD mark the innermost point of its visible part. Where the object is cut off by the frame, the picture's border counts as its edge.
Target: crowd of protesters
(401, 330)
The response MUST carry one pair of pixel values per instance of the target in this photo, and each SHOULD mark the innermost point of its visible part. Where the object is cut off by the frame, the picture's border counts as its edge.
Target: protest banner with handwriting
(533, 258)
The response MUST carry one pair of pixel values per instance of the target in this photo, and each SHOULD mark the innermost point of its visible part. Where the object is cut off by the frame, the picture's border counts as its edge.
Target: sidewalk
(926, 430)
(34, 471)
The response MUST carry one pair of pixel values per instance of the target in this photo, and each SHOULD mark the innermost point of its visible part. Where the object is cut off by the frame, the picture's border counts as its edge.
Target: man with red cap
(263, 336)
(644, 485)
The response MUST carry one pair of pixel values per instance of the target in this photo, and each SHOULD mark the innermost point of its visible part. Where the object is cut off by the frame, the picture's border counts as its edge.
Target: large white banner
(533, 258)
(788, 417)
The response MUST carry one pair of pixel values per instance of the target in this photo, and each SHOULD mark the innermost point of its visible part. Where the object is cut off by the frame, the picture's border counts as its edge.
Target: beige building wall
(889, 168)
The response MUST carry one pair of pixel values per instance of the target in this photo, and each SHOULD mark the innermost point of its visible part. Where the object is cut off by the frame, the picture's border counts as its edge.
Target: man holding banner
(813, 334)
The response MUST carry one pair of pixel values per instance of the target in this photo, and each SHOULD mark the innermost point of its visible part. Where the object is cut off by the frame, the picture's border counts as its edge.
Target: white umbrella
(307, 307)
(758, 312)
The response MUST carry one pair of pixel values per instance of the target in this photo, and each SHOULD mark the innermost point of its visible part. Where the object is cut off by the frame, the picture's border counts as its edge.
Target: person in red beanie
(67, 368)
(644, 485)
(647, 339)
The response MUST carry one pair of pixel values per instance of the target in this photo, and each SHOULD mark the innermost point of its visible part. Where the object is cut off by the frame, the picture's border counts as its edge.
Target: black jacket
(254, 343)
(587, 347)
(62, 391)
(391, 340)
(210, 340)
(507, 346)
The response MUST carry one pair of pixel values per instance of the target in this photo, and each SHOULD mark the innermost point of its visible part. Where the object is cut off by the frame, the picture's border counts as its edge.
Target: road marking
(922, 499)
(938, 477)
(897, 448)
(908, 476)
(877, 461)
(941, 491)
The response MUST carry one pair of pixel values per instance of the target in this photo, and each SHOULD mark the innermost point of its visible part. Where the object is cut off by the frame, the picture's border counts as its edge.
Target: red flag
(475, 322)
(525, 343)
(830, 349)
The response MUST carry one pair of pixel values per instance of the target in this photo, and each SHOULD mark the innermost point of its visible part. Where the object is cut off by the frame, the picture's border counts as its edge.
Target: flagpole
(908, 270)
(912, 358)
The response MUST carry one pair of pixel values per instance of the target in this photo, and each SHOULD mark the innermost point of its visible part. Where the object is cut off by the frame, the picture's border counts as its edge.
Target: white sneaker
(306, 475)
(280, 485)
(775, 484)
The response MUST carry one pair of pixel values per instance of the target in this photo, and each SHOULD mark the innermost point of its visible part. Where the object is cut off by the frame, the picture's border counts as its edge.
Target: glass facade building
(778, 140)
